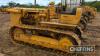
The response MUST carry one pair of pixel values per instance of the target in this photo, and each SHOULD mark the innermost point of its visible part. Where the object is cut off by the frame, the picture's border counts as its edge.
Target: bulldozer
(58, 26)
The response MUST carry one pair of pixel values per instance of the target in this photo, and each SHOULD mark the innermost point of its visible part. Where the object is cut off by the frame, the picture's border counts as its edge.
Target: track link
(58, 52)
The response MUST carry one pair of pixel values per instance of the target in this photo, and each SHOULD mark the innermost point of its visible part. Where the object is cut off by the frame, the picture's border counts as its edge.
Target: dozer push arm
(10, 10)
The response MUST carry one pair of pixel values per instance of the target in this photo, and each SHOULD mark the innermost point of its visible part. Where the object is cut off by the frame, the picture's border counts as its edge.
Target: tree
(17, 4)
(30, 5)
(11, 4)
(97, 5)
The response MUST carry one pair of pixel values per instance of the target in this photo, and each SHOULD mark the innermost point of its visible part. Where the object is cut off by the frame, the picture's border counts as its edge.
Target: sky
(41, 2)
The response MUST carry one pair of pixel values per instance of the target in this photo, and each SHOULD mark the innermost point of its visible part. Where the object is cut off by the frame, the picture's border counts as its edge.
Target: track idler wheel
(67, 41)
(15, 34)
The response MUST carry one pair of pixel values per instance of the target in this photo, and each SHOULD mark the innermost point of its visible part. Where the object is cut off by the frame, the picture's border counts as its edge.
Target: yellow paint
(48, 20)
(63, 44)
(71, 19)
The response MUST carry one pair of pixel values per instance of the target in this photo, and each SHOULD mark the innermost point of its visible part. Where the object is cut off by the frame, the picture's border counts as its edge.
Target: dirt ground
(7, 48)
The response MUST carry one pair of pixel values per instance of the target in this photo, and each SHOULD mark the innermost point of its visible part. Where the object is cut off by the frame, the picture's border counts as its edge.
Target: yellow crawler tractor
(88, 13)
(57, 27)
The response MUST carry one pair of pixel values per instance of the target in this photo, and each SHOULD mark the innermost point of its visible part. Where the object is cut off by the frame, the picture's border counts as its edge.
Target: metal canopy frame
(71, 4)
